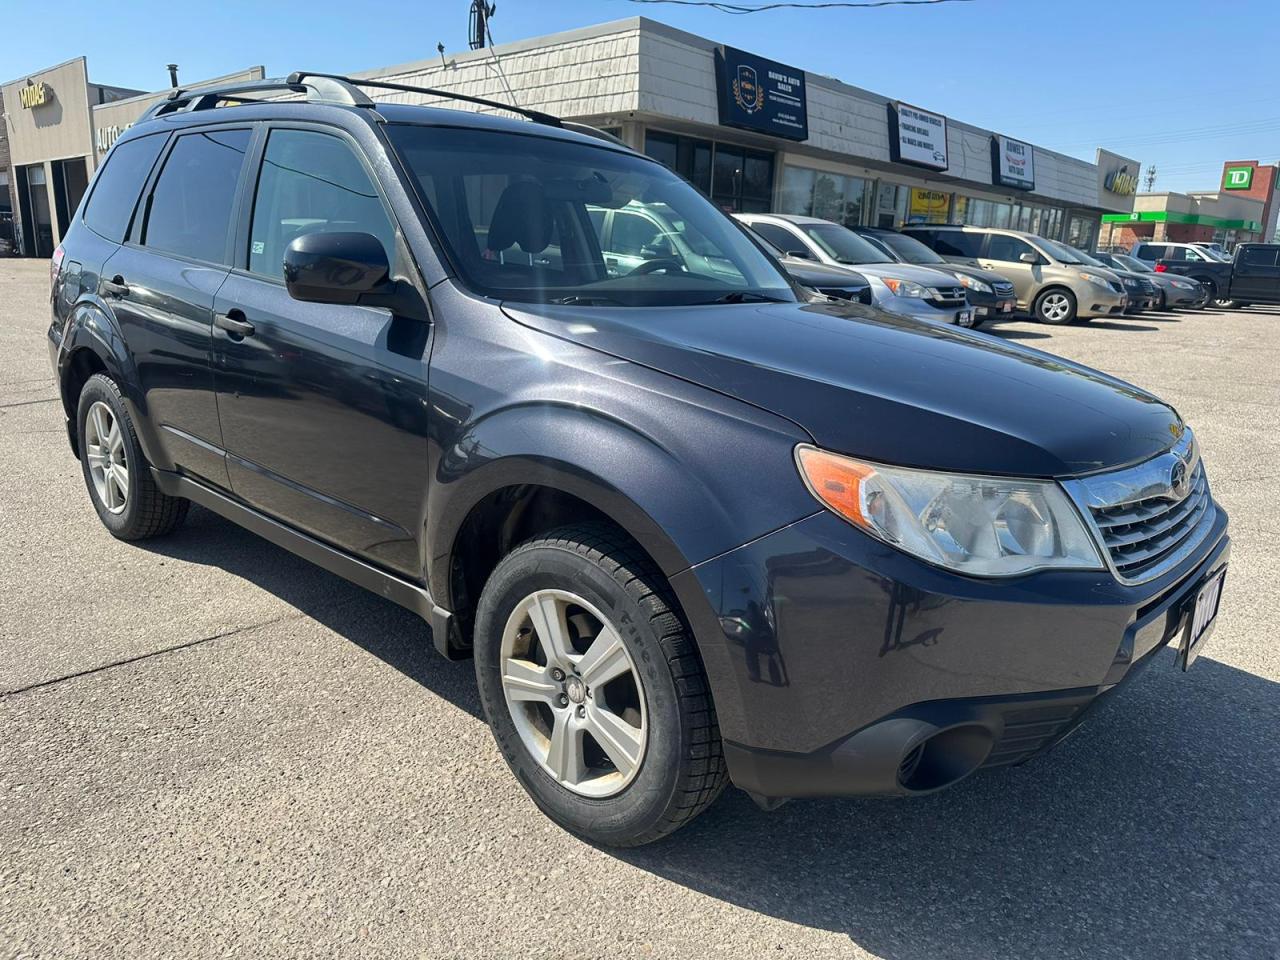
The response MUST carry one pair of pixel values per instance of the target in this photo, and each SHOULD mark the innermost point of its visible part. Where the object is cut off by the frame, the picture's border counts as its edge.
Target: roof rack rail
(321, 89)
(537, 116)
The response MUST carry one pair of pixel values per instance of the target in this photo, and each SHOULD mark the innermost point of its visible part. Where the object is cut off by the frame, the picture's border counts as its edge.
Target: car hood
(885, 387)
(927, 276)
(813, 274)
(986, 276)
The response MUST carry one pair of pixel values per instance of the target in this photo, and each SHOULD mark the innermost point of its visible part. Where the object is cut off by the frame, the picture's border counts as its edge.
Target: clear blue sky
(1185, 84)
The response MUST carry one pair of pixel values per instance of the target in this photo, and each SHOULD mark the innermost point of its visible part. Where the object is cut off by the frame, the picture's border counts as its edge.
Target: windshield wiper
(587, 300)
(744, 296)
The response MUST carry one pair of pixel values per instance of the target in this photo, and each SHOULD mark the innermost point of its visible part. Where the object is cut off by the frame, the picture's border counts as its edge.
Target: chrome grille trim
(1143, 527)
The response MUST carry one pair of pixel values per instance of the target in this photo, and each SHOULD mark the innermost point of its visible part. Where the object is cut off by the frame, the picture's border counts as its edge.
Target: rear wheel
(1055, 306)
(116, 473)
(594, 690)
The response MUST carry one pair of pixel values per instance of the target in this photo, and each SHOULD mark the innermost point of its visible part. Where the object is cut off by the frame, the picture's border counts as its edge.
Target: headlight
(982, 526)
(1183, 285)
(906, 288)
(1096, 279)
(974, 284)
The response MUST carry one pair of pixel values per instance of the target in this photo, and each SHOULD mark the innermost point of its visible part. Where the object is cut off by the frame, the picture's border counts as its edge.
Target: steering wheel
(656, 264)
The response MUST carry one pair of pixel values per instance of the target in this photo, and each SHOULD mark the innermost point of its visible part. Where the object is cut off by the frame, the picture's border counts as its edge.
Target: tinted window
(191, 203)
(1007, 249)
(780, 237)
(1151, 251)
(957, 243)
(116, 190)
(843, 245)
(908, 248)
(1258, 256)
(311, 183)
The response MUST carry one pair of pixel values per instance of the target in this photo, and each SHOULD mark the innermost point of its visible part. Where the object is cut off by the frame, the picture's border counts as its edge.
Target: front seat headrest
(522, 217)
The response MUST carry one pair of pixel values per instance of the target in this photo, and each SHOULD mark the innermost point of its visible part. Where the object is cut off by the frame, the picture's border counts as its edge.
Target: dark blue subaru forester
(694, 523)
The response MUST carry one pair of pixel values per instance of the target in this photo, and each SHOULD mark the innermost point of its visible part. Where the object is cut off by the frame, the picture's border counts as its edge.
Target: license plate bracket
(1201, 618)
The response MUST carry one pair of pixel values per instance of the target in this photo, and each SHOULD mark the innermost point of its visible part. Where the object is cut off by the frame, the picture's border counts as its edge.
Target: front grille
(1115, 285)
(1003, 289)
(1132, 284)
(857, 294)
(1146, 521)
(948, 297)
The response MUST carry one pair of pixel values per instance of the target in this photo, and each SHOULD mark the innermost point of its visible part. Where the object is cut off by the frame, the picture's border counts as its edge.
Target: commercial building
(1244, 208)
(757, 135)
(58, 126)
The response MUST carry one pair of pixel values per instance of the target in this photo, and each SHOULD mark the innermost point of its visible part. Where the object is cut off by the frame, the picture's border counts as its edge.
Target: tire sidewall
(1072, 315)
(99, 388)
(646, 799)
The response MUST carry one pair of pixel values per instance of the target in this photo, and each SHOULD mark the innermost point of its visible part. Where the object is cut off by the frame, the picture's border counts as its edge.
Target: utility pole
(1151, 177)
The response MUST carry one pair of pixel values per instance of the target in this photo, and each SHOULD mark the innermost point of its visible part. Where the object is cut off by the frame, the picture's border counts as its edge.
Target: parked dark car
(991, 294)
(1252, 275)
(1140, 292)
(693, 527)
(1170, 291)
(843, 283)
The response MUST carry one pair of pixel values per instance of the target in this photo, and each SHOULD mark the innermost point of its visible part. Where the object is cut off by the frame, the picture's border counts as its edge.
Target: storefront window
(1082, 232)
(960, 209)
(891, 205)
(1002, 214)
(735, 178)
(928, 206)
(817, 193)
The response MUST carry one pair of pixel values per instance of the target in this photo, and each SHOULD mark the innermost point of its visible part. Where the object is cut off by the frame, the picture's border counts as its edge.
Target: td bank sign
(1237, 178)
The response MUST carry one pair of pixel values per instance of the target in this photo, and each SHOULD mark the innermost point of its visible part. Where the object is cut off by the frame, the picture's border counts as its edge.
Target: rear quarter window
(958, 243)
(118, 184)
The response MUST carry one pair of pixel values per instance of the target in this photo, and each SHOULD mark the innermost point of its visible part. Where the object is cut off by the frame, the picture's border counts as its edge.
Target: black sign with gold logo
(762, 95)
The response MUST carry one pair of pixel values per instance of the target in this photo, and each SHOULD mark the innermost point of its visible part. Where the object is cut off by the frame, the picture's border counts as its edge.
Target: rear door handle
(234, 323)
(115, 287)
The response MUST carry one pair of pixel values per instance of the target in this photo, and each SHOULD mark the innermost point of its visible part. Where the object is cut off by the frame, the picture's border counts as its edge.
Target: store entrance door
(37, 221)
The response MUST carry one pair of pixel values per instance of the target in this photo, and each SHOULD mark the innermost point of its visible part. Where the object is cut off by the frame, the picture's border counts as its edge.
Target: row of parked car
(968, 275)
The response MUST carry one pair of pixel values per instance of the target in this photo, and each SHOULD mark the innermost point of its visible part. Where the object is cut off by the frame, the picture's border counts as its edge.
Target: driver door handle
(234, 323)
(115, 287)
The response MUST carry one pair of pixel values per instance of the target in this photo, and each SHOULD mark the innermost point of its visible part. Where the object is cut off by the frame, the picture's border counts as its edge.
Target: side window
(928, 237)
(1194, 257)
(1174, 253)
(780, 237)
(311, 183)
(596, 216)
(189, 212)
(1007, 249)
(958, 243)
(116, 189)
(1258, 256)
(632, 233)
(1152, 251)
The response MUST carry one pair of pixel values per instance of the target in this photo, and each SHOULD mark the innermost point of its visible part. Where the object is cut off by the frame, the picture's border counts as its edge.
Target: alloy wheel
(1055, 307)
(108, 465)
(574, 693)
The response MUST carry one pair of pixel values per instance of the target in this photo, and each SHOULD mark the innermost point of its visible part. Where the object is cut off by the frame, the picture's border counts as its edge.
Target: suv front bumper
(832, 657)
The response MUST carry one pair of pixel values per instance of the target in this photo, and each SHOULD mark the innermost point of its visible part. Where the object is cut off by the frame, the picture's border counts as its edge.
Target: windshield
(1064, 254)
(543, 220)
(909, 248)
(1132, 263)
(843, 245)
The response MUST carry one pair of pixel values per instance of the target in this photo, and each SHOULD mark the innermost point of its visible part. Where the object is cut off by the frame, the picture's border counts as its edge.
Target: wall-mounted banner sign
(762, 95)
(1013, 163)
(35, 95)
(917, 136)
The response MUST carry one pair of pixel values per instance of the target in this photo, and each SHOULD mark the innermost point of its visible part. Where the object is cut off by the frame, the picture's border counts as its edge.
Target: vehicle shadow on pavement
(1150, 833)
(1010, 333)
(392, 634)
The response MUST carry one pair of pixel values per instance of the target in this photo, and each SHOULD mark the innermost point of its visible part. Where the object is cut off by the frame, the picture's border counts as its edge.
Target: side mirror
(800, 253)
(336, 267)
(1029, 258)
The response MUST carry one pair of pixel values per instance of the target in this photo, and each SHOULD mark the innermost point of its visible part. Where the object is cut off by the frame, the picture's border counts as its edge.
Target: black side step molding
(411, 596)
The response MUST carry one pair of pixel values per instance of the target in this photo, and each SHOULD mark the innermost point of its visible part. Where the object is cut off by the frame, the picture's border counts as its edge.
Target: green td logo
(1237, 178)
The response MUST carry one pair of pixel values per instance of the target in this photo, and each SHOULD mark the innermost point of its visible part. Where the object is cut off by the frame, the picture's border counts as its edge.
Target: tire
(1055, 306)
(132, 508)
(586, 577)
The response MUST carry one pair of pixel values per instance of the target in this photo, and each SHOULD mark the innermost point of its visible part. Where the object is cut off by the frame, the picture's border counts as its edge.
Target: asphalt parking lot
(211, 748)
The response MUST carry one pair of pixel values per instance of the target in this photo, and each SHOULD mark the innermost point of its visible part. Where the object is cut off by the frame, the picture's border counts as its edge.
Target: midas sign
(1122, 182)
(35, 95)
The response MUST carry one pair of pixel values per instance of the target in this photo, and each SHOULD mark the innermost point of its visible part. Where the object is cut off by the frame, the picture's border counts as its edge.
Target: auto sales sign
(1013, 163)
(917, 136)
(762, 95)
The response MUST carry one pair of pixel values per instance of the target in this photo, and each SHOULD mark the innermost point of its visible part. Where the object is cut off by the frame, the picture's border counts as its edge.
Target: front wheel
(594, 690)
(1056, 307)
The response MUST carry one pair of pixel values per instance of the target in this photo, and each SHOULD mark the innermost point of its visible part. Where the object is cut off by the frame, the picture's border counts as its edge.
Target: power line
(743, 8)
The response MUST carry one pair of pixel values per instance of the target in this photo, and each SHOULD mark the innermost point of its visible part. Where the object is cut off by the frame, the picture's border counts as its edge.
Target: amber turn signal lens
(836, 481)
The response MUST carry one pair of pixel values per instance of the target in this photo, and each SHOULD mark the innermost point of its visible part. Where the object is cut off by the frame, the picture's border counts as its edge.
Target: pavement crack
(27, 403)
(142, 656)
